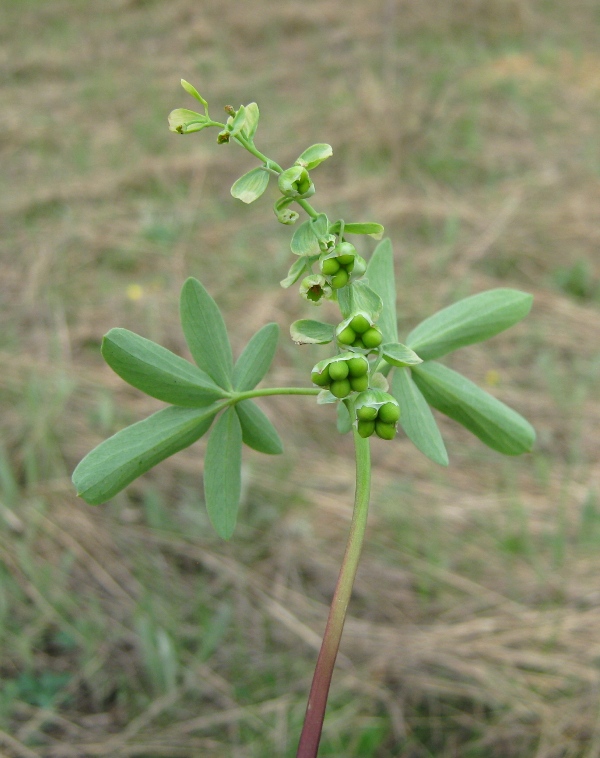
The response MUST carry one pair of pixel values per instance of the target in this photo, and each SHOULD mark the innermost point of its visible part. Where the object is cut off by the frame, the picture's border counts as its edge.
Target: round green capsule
(360, 324)
(340, 279)
(365, 428)
(338, 370)
(385, 431)
(345, 248)
(340, 388)
(372, 337)
(389, 413)
(359, 383)
(357, 366)
(366, 413)
(347, 336)
(358, 343)
(321, 379)
(329, 266)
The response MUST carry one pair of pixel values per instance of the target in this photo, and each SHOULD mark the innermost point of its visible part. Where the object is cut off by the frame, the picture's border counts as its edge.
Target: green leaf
(251, 186)
(304, 241)
(157, 371)
(417, 419)
(252, 116)
(314, 155)
(191, 90)
(222, 473)
(183, 121)
(358, 296)
(239, 121)
(257, 431)
(298, 267)
(320, 225)
(497, 425)
(473, 319)
(397, 354)
(309, 332)
(372, 229)
(380, 274)
(205, 332)
(344, 423)
(117, 461)
(256, 358)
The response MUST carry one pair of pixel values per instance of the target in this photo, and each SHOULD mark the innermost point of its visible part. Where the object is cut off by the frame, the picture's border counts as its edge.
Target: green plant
(376, 381)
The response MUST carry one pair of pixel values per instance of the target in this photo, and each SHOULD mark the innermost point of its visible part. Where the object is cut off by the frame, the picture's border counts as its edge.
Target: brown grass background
(470, 130)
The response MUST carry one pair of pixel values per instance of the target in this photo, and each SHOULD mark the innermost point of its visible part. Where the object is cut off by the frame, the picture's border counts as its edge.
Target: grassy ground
(471, 130)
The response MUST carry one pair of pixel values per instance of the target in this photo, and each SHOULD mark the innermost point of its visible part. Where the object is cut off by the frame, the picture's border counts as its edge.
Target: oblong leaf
(120, 459)
(306, 331)
(157, 371)
(497, 425)
(370, 228)
(298, 267)
(205, 332)
(191, 90)
(314, 155)
(223, 473)
(358, 296)
(380, 274)
(184, 121)
(256, 358)
(320, 225)
(257, 431)
(397, 354)
(252, 116)
(303, 240)
(471, 320)
(250, 186)
(417, 419)
(239, 121)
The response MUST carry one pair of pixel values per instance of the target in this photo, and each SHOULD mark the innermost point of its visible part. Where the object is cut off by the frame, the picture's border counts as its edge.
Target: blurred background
(470, 129)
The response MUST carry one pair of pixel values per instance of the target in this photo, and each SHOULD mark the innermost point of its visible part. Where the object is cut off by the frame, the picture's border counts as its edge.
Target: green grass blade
(157, 371)
(120, 459)
(380, 274)
(497, 425)
(256, 358)
(471, 320)
(205, 333)
(257, 431)
(417, 419)
(222, 473)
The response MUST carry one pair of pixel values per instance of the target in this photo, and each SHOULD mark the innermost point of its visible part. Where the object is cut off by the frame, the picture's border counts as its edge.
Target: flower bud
(223, 137)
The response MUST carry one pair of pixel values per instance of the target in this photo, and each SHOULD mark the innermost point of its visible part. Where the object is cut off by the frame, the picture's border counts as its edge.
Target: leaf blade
(205, 333)
(380, 274)
(473, 319)
(314, 155)
(358, 296)
(256, 358)
(397, 354)
(307, 331)
(251, 185)
(303, 240)
(257, 431)
(222, 473)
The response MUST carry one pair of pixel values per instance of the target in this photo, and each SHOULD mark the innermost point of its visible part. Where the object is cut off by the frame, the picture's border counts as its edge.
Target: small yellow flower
(134, 292)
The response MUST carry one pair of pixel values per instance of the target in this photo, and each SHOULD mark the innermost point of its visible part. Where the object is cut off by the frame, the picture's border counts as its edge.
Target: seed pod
(372, 337)
(345, 249)
(359, 383)
(365, 428)
(366, 413)
(385, 431)
(360, 323)
(346, 336)
(389, 413)
(380, 408)
(338, 370)
(329, 266)
(321, 379)
(358, 366)
(340, 389)
(340, 279)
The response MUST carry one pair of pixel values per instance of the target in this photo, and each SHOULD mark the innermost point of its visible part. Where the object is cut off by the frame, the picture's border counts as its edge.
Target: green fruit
(360, 324)
(372, 337)
(340, 279)
(329, 266)
(340, 389)
(366, 413)
(385, 431)
(347, 336)
(365, 428)
(389, 413)
(338, 370)
(349, 266)
(357, 366)
(322, 379)
(358, 343)
(345, 260)
(359, 383)
(345, 249)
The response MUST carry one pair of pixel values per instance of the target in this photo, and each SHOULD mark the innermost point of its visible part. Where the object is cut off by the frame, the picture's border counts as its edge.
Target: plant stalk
(317, 700)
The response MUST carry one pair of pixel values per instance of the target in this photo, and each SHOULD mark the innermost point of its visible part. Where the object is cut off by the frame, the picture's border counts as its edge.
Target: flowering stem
(317, 700)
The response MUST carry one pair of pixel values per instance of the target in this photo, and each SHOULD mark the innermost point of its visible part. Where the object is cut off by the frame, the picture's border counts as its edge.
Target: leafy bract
(256, 358)
(380, 274)
(397, 354)
(314, 155)
(310, 332)
(191, 90)
(358, 296)
(239, 121)
(157, 371)
(205, 332)
(251, 186)
(222, 473)
(417, 419)
(298, 267)
(344, 422)
(497, 425)
(252, 116)
(120, 459)
(473, 319)
(304, 241)
(320, 225)
(257, 431)
(370, 228)
(184, 121)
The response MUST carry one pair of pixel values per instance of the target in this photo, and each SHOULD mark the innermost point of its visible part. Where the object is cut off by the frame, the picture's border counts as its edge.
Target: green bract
(251, 186)
(314, 155)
